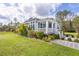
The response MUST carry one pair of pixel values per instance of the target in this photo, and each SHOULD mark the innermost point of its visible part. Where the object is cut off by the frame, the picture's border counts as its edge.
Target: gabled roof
(30, 19)
(34, 18)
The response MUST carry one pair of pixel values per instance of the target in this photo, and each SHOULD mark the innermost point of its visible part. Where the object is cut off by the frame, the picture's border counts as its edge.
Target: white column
(46, 27)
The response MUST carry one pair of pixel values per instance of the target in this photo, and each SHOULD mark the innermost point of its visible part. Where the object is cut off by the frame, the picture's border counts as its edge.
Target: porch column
(46, 27)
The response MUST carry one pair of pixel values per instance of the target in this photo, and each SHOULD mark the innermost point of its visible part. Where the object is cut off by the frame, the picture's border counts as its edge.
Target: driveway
(67, 43)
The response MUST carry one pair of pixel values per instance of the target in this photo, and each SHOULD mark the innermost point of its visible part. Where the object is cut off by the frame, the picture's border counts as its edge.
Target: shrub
(55, 36)
(51, 37)
(31, 34)
(46, 39)
(62, 38)
(71, 31)
(66, 35)
(69, 35)
(77, 35)
(76, 40)
(22, 29)
(39, 35)
(69, 39)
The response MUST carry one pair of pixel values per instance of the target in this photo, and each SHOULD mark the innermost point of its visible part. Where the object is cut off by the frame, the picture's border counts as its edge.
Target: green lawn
(13, 44)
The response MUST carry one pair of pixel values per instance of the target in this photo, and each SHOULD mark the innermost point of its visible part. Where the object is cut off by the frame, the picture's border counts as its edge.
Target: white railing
(42, 29)
(50, 30)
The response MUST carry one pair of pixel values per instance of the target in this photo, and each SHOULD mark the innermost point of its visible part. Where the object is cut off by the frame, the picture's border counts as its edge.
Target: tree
(71, 28)
(61, 16)
(16, 22)
(13, 25)
(68, 26)
(1, 26)
(76, 23)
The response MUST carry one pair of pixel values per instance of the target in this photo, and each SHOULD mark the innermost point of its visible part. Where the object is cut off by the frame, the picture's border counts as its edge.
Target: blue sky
(22, 11)
(74, 7)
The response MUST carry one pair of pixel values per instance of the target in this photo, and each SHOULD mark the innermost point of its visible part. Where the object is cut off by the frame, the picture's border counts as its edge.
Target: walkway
(67, 43)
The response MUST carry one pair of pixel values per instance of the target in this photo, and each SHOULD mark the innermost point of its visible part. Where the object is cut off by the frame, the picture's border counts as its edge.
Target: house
(46, 25)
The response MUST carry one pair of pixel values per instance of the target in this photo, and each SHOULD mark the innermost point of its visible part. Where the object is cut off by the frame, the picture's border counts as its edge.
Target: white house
(46, 25)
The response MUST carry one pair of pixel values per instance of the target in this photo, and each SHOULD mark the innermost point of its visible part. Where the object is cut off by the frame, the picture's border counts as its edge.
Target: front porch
(47, 27)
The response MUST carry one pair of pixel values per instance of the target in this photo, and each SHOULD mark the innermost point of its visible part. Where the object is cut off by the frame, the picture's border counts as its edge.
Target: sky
(23, 11)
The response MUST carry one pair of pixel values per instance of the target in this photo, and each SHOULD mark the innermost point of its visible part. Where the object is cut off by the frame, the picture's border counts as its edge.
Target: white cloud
(38, 9)
(25, 10)
(2, 5)
(77, 13)
(28, 9)
(9, 12)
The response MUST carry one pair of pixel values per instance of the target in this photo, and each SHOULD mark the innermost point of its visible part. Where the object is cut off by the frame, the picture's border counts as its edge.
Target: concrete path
(67, 43)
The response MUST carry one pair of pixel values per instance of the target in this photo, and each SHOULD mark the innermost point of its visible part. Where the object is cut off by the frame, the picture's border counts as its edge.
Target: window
(57, 27)
(50, 25)
(41, 25)
(31, 22)
(33, 27)
(44, 25)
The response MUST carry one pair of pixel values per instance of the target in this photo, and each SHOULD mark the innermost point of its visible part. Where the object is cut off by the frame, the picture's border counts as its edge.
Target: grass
(12, 44)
